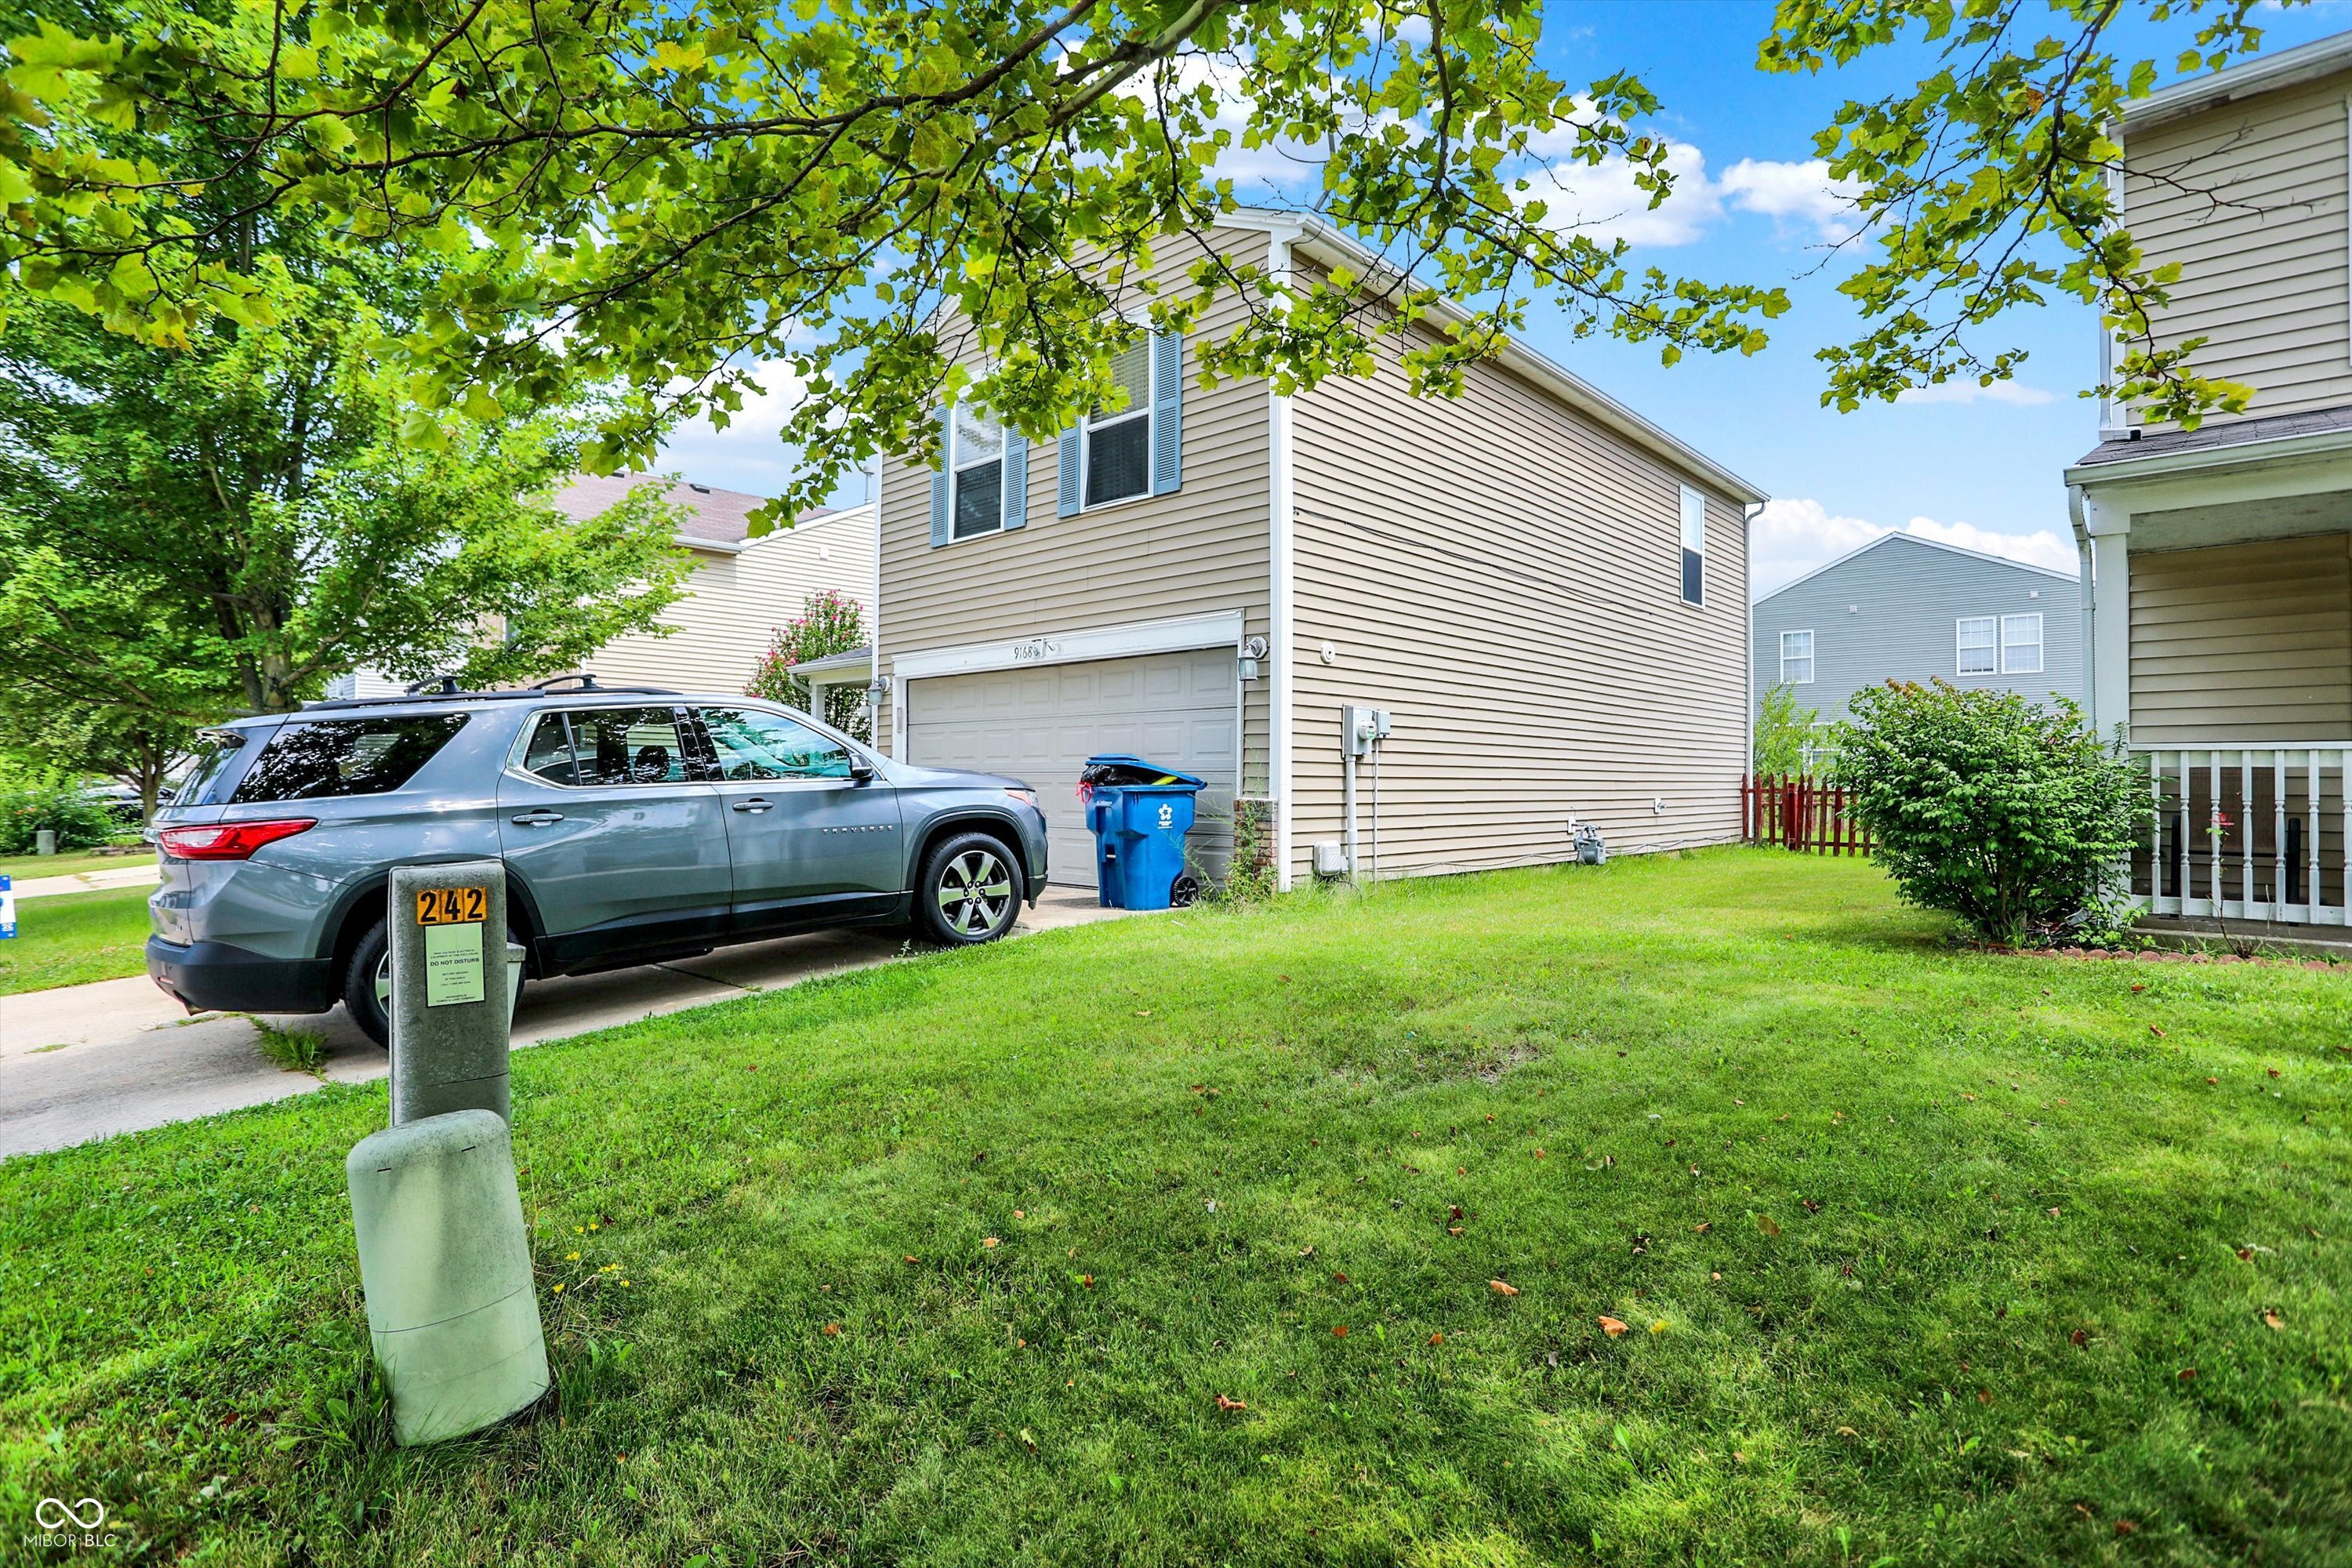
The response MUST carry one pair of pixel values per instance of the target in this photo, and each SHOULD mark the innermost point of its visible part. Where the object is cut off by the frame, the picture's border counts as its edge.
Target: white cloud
(1603, 202)
(746, 456)
(2015, 394)
(1794, 193)
(1791, 536)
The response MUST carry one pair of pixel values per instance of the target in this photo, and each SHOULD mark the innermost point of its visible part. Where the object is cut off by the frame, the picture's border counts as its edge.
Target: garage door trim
(1134, 637)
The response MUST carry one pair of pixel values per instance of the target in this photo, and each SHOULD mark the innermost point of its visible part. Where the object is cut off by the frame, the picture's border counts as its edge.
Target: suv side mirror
(860, 770)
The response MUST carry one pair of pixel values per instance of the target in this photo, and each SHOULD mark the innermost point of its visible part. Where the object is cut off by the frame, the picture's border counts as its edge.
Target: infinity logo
(51, 1514)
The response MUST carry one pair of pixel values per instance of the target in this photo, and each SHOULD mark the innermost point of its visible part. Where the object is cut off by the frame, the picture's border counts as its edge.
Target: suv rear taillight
(229, 840)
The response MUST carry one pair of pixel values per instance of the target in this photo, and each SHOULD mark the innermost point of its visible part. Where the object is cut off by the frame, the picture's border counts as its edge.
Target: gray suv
(635, 825)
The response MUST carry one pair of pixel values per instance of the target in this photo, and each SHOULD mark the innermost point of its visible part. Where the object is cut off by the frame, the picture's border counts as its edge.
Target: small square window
(1796, 658)
(1977, 636)
(2021, 644)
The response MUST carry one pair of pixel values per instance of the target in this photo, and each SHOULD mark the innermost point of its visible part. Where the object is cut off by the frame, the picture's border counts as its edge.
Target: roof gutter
(2288, 68)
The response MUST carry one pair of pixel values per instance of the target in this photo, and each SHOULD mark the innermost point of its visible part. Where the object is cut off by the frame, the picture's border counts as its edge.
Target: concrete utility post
(445, 1257)
(452, 997)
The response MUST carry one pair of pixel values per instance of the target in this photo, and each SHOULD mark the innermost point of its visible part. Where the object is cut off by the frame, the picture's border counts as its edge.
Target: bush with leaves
(1785, 736)
(829, 623)
(2014, 816)
(65, 806)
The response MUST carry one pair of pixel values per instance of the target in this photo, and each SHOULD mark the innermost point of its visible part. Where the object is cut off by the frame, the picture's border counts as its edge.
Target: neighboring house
(741, 588)
(1547, 591)
(740, 591)
(1907, 608)
(2221, 558)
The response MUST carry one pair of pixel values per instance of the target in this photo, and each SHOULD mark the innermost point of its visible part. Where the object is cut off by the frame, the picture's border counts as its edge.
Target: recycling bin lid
(1119, 768)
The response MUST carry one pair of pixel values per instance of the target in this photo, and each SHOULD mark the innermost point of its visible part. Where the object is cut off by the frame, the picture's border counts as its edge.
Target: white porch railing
(2253, 833)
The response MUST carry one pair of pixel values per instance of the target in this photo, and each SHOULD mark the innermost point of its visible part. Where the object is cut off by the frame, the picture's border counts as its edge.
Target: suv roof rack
(445, 688)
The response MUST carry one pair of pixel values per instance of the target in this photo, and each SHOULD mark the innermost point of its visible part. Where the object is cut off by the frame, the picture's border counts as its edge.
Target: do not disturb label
(453, 962)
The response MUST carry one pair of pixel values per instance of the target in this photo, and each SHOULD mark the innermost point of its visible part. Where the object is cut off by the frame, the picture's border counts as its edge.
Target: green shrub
(28, 806)
(1784, 733)
(2011, 815)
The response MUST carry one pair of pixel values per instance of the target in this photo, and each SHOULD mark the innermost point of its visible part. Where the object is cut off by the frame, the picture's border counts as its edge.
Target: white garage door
(1041, 723)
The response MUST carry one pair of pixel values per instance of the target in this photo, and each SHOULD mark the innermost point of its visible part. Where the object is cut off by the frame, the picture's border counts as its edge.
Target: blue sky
(1976, 469)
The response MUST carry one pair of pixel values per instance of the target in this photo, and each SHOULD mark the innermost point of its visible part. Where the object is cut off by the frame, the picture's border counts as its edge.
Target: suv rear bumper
(213, 976)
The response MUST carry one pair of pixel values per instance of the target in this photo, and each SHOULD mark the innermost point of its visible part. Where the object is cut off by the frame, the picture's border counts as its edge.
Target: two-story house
(1545, 591)
(1905, 608)
(2219, 559)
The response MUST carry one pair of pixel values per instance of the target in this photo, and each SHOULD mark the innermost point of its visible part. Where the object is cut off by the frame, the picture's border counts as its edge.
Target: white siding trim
(1221, 629)
(1283, 584)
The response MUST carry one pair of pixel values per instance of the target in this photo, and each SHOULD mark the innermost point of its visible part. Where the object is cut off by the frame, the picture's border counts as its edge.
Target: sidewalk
(136, 874)
(89, 1061)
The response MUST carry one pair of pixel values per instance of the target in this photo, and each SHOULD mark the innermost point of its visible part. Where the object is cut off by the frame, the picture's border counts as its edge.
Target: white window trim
(2040, 655)
(1684, 494)
(1148, 407)
(955, 481)
(1811, 645)
(1959, 647)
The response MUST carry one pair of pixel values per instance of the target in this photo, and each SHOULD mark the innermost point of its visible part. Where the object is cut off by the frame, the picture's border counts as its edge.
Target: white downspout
(1282, 588)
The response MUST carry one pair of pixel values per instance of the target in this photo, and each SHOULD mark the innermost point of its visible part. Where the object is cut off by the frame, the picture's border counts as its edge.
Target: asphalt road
(91, 1061)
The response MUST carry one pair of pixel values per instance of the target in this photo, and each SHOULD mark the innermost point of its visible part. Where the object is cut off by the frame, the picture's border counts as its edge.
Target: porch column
(2108, 527)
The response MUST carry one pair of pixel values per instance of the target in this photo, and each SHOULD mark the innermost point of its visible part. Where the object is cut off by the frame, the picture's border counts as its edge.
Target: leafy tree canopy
(665, 194)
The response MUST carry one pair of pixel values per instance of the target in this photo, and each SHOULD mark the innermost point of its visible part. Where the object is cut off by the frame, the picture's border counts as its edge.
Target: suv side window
(626, 746)
(755, 745)
(549, 755)
(327, 759)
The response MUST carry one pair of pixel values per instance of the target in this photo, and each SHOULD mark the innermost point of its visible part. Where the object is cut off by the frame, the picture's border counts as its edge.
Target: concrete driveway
(89, 1061)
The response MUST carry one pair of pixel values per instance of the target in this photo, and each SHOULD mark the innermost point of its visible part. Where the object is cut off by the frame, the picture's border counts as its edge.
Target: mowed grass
(1925, 1255)
(68, 938)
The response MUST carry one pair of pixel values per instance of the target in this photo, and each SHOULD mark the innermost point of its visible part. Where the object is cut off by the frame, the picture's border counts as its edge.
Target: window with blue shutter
(1067, 503)
(1167, 412)
(982, 485)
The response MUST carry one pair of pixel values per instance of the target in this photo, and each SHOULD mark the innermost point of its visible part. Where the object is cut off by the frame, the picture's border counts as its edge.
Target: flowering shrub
(28, 806)
(829, 623)
(2011, 815)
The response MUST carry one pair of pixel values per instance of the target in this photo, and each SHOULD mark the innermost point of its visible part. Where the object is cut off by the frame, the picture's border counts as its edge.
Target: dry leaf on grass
(1500, 1289)
(1767, 1224)
(1437, 1338)
(2275, 1320)
(1610, 1326)
(1339, 1330)
(987, 1241)
(1225, 1403)
(832, 1328)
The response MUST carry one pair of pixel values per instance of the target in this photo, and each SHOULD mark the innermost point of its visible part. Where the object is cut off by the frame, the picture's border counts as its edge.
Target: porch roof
(2215, 437)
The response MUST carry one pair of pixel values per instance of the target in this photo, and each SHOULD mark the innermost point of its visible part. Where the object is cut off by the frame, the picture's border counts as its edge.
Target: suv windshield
(319, 759)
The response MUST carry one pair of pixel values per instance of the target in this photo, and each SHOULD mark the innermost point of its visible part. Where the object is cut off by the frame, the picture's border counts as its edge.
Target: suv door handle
(753, 803)
(539, 817)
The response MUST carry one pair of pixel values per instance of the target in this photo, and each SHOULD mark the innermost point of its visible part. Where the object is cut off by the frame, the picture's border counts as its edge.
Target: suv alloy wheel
(970, 891)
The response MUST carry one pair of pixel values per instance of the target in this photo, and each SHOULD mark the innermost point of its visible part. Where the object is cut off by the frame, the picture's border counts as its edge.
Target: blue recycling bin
(1140, 813)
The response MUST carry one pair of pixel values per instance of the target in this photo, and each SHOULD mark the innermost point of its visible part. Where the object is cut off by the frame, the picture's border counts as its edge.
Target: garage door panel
(1041, 724)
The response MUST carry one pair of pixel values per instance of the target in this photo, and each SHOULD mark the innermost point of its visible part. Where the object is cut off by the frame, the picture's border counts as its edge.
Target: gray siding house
(1907, 608)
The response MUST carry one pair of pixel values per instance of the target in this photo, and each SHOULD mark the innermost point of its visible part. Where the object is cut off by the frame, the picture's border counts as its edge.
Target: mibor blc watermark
(68, 1525)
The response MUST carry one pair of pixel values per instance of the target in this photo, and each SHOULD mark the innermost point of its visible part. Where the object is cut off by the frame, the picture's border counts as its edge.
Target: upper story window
(1796, 658)
(2021, 644)
(1977, 655)
(1694, 540)
(1118, 446)
(976, 473)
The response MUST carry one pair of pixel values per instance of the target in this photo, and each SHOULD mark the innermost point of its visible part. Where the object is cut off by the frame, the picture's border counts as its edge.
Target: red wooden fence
(1801, 814)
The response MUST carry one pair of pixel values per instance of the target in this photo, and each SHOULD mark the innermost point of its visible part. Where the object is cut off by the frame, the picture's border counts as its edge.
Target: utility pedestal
(444, 1257)
(451, 997)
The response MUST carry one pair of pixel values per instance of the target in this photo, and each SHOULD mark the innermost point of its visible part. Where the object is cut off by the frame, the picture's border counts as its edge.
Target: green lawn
(1926, 1255)
(24, 867)
(70, 938)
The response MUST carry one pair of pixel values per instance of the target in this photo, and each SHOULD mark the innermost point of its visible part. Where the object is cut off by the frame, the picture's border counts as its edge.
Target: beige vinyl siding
(1202, 550)
(2250, 199)
(1504, 577)
(733, 604)
(2242, 644)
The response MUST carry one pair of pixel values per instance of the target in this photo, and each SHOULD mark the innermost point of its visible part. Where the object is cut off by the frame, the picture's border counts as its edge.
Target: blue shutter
(1016, 479)
(1066, 503)
(940, 480)
(1167, 412)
